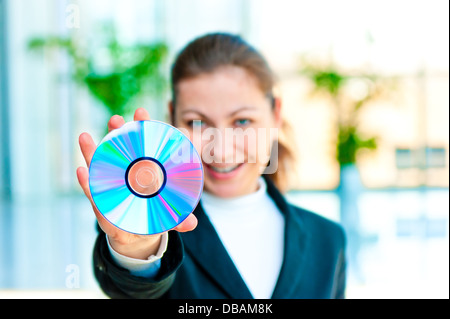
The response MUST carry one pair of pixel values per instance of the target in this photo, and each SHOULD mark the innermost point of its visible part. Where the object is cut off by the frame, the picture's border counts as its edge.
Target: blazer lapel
(296, 245)
(204, 245)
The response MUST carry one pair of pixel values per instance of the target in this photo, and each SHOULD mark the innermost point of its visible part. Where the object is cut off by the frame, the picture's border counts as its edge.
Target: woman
(243, 239)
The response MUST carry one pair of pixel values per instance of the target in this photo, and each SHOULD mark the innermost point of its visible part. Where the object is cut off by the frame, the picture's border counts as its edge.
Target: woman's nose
(221, 145)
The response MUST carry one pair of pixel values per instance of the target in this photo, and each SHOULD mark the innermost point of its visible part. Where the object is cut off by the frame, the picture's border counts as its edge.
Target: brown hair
(205, 54)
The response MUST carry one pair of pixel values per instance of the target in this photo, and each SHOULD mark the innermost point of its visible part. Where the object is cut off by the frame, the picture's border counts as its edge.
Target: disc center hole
(145, 177)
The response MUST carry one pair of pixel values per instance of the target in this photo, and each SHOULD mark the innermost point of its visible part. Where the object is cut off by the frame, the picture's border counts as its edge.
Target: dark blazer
(196, 264)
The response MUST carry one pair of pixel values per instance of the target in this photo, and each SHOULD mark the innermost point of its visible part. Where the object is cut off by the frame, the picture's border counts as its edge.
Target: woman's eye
(242, 122)
(196, 123)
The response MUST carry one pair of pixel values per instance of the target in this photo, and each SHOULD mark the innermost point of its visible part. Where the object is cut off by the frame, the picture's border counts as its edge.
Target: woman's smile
(223, 172)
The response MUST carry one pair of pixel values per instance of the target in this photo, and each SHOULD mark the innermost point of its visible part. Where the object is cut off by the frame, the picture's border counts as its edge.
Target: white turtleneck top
(251, 229)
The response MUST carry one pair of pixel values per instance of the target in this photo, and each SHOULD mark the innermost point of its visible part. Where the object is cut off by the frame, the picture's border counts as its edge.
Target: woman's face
(231, 124)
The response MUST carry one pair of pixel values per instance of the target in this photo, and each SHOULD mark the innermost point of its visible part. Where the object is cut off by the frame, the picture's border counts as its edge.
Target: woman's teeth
(223, 169)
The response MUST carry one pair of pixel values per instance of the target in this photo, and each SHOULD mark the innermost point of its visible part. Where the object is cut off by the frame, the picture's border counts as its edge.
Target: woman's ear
(171, 113)
(277, 112)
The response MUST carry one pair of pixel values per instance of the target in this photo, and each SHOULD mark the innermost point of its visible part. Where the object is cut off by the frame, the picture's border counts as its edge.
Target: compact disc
(146, 177)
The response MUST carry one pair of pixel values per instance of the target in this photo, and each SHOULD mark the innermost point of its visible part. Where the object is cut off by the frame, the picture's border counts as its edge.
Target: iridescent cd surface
(146, 177)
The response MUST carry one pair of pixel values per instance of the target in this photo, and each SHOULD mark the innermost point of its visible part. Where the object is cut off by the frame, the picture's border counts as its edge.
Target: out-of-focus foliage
(349, 92)
(115, 74)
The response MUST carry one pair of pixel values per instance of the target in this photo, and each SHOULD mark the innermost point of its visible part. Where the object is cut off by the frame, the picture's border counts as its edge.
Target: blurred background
(365, 86)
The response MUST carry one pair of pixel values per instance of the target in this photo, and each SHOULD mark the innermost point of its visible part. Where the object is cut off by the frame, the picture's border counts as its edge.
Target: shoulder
(322, 229)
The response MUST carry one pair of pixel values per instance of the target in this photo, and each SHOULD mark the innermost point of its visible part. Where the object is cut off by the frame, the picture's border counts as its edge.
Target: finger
(83, 180)
(115, 122)
(188, 224)
(141, 114)
(87, 146)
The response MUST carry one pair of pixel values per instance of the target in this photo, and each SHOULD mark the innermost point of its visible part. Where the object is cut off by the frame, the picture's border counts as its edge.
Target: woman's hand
(127, 244)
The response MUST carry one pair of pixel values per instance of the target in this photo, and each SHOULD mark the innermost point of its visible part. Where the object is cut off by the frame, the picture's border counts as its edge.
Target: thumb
(188, 224)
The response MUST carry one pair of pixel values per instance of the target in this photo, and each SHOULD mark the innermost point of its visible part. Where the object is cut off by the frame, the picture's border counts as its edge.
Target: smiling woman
(223, 82)
(216, 99)
(243, 239)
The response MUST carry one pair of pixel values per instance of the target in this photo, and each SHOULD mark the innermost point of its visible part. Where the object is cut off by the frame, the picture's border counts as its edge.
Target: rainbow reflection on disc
(146, 177)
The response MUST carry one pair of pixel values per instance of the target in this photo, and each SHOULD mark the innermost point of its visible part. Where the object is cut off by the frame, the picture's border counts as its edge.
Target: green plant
(119, 75)
(349, 92)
